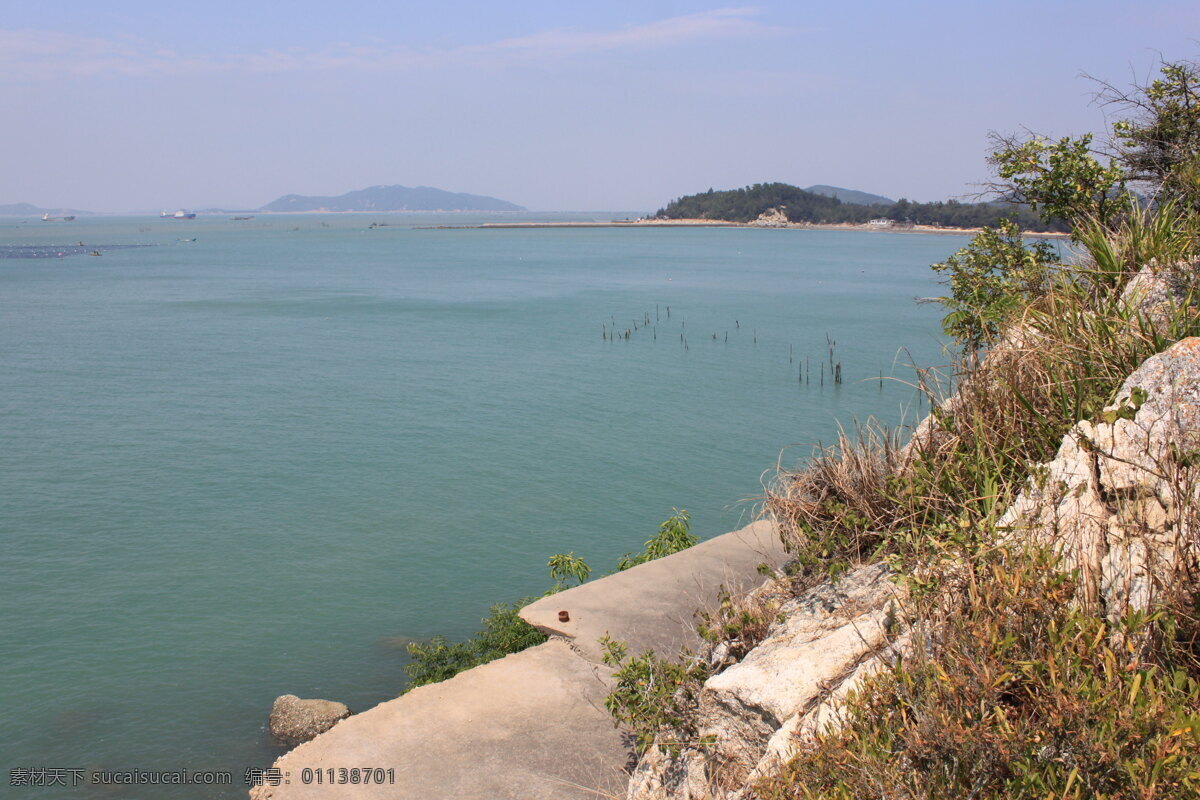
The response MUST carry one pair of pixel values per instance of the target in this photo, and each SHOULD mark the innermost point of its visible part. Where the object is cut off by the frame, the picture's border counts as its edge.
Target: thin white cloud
(725, 23)
(33, 53)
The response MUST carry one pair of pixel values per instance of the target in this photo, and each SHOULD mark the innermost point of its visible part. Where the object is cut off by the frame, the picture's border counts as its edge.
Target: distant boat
(180, 214)
(67, 218)
(240, 218)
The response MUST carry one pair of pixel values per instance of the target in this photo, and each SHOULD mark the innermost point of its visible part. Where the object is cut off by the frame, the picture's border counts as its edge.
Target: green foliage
(654, 697)
(1160, 143)
(673, 535)
(990, 278)
(1061, 180)
(1166, 233)
(861, 500)
(563, 566)
(503, 632)
(1020, 694)
(1157, 146)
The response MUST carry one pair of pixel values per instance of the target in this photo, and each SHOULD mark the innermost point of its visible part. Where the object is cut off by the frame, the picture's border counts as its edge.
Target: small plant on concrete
(564, 566)
(503, 632)
(673, 535)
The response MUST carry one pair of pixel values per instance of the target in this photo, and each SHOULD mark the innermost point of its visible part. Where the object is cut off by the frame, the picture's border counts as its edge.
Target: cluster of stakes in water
(611, 331)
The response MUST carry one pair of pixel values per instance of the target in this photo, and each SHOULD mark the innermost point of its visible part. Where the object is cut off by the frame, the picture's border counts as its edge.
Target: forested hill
(745, 205)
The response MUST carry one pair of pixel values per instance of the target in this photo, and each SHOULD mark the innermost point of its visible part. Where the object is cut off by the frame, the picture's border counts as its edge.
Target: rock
(294, 721)
(824, 638)
(1155, 291)
(670, 776)
(771, 218)
(1117, 501)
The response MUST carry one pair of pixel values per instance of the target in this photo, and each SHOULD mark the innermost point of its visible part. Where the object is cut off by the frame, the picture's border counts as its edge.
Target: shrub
(653, 696)
(503, 632)
(990, 279)
(673, 535)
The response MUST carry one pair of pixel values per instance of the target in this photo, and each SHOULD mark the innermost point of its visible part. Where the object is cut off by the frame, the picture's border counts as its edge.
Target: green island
(804, 206)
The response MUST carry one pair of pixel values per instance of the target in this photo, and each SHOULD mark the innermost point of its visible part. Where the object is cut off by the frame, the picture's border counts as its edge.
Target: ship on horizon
(180, 214)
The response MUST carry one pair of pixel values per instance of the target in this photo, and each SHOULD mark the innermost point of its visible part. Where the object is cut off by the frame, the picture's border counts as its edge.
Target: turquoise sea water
(259, 462)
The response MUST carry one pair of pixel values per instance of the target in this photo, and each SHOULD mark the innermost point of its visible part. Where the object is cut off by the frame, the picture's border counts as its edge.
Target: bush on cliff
(1013, 688)
(1015, 692)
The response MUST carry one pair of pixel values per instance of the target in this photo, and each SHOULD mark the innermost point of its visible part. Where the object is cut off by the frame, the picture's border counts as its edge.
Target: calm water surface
(259, 462)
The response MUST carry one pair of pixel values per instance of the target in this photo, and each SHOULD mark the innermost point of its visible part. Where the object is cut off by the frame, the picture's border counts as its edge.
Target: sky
(572, 106)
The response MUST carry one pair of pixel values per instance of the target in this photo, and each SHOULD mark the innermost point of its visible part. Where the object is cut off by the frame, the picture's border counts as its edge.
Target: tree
(1157, 146)
(1159, 143)
(1060, 180)
(990, 278)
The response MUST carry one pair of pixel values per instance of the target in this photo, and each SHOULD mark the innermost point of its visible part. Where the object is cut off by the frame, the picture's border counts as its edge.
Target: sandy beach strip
(713, 223)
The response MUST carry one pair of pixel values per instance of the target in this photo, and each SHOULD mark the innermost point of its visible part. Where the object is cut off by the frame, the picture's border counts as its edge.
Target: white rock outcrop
(1119, 499)
(827, 640)
(771, 218)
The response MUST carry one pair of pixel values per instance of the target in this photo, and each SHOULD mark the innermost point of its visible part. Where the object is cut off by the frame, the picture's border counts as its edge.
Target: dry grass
(1013, 692)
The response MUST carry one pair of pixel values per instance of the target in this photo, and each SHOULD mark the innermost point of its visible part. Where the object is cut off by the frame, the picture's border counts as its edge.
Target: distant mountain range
(392, 198)
(851, 195)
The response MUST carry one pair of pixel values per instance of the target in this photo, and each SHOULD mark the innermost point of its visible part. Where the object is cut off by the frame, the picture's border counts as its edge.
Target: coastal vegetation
(1012, 686)
(799, 205)
(1009, 677)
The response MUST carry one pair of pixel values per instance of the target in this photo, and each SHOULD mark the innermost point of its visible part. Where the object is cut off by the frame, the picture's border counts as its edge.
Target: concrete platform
(652, 606)
(531, 726)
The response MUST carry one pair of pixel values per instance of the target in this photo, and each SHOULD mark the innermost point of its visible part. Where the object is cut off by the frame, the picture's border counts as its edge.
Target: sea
(247, 458)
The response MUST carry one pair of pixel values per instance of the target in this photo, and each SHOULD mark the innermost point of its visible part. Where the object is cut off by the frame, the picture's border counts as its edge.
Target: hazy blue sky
(554, 105)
